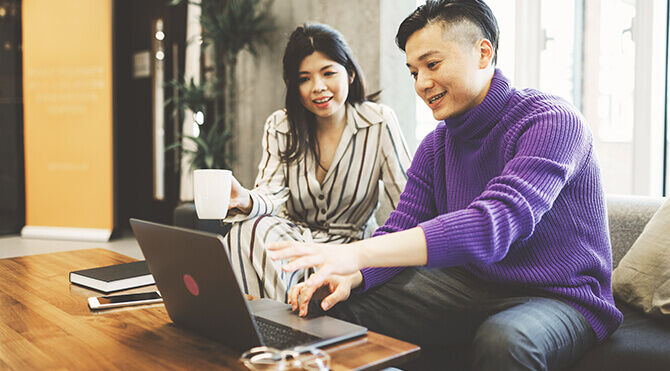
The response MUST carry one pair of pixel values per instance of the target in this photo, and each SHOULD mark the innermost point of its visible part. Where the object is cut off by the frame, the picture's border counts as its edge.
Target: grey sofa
(641, 343)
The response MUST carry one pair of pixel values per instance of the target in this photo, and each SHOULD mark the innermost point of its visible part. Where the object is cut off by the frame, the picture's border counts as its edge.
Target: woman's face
(323, 85)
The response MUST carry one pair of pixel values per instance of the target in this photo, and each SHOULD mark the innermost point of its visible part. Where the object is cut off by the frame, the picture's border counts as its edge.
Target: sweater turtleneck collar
(482, 118)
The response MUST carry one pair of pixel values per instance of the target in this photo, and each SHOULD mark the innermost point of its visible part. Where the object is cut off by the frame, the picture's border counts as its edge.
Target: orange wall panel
(68, 123)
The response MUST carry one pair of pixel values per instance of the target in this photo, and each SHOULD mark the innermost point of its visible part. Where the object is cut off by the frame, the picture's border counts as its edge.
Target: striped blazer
(371, 149)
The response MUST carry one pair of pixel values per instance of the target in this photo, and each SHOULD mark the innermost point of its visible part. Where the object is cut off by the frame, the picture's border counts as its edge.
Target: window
(623, 91)
(607, 57)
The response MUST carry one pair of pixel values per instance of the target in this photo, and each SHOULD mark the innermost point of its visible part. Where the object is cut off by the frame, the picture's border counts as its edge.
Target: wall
(369, 27)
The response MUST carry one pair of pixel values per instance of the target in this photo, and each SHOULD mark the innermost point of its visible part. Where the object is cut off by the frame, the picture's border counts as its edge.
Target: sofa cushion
(628, 215)
(642, 278)
(641, 343)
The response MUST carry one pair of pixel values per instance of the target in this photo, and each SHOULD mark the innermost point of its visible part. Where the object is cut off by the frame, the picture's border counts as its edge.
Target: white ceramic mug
(211, 191)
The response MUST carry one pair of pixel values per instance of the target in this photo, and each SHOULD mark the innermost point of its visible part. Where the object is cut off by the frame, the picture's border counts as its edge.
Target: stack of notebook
(114, 277)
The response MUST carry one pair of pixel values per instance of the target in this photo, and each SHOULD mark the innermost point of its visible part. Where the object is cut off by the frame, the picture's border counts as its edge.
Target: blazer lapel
(359, 116)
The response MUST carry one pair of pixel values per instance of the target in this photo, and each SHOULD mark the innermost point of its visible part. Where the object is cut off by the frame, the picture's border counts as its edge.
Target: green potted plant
(208, 148)
(228, 27)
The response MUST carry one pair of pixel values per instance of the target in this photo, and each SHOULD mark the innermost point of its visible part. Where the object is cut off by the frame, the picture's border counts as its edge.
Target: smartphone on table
(114, 301)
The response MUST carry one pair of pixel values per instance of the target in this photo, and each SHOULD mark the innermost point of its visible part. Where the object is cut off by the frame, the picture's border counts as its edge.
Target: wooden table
(45, 323)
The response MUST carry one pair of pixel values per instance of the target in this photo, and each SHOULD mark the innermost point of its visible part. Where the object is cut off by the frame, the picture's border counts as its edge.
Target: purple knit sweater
(511, 190)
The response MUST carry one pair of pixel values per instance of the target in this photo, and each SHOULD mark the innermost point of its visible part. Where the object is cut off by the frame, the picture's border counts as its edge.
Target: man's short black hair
(451, 12)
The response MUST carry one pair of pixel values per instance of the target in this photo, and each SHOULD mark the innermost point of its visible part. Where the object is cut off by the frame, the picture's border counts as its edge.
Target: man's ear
(485, 53)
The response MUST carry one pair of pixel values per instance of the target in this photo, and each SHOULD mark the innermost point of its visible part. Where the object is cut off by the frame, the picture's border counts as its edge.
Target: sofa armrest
(628, 215)
(186, 217)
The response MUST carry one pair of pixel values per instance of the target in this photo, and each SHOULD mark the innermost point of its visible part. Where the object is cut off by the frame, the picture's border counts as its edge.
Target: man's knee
(498, 345)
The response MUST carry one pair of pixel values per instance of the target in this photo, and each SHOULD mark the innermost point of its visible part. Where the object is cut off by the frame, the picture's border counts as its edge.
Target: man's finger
(305, 296)
(279, 245)
(293, 295)
(291, 250)
(301, 262)
(340, 294)
(317, 279)
(283, 254)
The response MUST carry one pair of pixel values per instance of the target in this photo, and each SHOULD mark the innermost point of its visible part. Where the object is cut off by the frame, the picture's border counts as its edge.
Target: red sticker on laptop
(191, 285)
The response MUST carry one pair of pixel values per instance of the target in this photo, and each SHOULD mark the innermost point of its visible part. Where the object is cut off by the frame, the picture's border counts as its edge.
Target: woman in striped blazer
(323, 158)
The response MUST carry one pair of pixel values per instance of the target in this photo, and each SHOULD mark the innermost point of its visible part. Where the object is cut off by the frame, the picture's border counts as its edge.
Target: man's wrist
(361, 251)
(356, 279)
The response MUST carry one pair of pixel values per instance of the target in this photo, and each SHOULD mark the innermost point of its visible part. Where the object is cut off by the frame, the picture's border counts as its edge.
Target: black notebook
(114, 277)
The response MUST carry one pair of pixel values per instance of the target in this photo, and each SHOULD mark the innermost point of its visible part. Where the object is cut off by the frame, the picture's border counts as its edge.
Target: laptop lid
(193, 274)
(200, 290)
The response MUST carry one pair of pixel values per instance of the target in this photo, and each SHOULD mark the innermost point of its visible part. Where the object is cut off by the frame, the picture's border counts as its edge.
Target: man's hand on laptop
(338, 288)
(329, 259)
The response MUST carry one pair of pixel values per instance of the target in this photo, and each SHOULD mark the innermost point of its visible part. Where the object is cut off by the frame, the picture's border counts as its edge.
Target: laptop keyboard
(280, 336)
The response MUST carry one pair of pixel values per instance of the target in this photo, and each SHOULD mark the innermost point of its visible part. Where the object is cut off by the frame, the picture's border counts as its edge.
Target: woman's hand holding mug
(239, 197)
(216, 191)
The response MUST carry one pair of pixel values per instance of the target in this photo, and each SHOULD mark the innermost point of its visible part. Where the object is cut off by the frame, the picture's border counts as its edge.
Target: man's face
(447, 74)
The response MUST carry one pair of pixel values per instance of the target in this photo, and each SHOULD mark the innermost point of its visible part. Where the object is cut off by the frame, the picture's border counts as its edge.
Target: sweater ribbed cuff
(434, 233)
(376, 276)
(446, 239)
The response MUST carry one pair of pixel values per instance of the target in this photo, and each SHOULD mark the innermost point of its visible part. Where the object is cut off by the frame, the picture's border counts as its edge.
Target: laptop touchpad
(264, 305)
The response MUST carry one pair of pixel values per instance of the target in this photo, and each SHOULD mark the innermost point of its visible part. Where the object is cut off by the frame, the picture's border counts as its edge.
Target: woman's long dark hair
(304, 41)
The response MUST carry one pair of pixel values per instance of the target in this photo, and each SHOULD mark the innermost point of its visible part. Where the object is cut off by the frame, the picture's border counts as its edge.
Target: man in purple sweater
(502, 217)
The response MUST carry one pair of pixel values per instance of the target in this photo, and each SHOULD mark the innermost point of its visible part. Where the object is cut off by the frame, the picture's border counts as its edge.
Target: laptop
(201, 292)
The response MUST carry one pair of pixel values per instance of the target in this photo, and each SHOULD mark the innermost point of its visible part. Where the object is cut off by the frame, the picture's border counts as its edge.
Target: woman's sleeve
(270, 191)
(396, 159)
